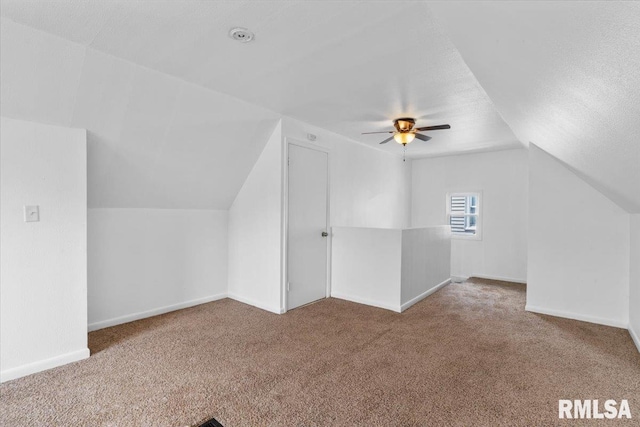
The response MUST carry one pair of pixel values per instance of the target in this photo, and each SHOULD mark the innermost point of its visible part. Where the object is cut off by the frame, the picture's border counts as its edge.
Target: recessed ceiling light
(241, 34)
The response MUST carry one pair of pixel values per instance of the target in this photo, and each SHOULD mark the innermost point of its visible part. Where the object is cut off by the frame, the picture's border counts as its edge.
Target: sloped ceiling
(153, 141)
(348, 67)
(562, 75)
(565, 76)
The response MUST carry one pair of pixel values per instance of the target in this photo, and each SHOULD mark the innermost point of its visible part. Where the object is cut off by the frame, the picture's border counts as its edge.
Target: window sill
(466, 236)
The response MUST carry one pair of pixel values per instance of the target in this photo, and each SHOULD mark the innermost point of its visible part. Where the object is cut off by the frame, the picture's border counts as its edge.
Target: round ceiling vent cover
(241, 34)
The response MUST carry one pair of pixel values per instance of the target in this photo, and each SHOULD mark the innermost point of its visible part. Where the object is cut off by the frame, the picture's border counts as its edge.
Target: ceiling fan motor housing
(404, 124)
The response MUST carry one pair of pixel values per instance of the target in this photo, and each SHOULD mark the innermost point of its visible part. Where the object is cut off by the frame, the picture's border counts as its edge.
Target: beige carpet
(469, 355)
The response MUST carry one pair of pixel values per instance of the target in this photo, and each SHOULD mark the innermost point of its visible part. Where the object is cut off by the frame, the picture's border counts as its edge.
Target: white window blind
(464, 213)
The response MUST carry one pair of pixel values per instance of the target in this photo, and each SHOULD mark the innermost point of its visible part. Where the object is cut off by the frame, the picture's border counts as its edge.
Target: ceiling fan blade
(438, 127)
(423, 137)
(386, 140)
(386, 131)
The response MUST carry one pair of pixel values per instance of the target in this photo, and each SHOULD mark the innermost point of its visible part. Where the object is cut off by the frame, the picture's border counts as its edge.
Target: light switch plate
(31, 213)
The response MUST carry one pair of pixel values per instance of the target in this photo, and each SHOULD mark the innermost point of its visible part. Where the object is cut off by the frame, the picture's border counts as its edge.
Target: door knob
(325, 234)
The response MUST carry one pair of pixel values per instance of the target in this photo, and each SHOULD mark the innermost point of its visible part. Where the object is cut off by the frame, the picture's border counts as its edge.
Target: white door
(307, 230)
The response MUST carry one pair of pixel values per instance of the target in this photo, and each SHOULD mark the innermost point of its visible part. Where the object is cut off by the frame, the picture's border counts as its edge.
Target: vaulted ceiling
(560, 75)
(349, 67)
(153, 141)
(566, 77)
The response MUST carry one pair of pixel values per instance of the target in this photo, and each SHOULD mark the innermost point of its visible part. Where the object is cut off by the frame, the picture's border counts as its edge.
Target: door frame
(284, 272)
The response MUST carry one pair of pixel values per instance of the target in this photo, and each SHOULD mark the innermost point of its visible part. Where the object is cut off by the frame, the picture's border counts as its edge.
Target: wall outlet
(31, 213)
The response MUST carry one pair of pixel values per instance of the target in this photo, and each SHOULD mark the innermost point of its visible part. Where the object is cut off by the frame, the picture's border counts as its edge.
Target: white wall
(578, 265)
(426, 260)
(634, 279)
(389, 268)
(43, 268)
(144, 262)
(366, 266)
(501, 176)
(154, 141)
(255, 232)
(369, 188)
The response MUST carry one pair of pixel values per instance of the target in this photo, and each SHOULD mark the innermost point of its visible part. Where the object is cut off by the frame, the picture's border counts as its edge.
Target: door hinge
(288, 286)
(288, 161)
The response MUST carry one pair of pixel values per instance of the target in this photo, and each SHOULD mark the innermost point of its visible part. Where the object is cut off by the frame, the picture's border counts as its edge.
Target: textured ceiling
(565, 76)
(348, 67)
(154, 141)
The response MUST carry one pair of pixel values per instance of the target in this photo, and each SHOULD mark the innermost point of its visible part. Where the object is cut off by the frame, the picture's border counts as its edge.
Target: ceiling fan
(405, 131)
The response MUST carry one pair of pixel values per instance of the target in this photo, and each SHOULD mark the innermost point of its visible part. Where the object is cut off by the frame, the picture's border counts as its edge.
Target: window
(463, 211)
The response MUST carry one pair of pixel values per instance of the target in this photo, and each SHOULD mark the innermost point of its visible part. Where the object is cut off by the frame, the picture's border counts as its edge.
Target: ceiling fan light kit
(404, 138)
(405, 132)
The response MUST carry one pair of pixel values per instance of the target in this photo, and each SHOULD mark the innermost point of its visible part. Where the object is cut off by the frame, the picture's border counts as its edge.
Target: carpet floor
(469, 355)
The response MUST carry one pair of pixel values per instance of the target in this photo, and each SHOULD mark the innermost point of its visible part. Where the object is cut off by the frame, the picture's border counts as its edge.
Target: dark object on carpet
(211, 423)
(468, 355)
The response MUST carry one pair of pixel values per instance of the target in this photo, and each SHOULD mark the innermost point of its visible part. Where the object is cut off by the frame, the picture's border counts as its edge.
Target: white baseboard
(254, 303)
(366, 301)
(423, 295)
(576, 316)
(154, 312)
(635, 338)
(43, 365)
(500, 278)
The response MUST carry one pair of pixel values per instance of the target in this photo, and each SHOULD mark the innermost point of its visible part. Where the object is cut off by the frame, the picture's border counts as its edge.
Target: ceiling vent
(241, 34)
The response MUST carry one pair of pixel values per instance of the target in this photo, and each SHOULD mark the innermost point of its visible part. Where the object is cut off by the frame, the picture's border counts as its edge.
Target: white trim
(305, 144)
(500, 278)
(478, 214)
(255, 303)
(43, 365)
(576, 316)
(284, 223)
(366, 301)
(423, 295)
(635, 338)
(153, 312)
(284, 232)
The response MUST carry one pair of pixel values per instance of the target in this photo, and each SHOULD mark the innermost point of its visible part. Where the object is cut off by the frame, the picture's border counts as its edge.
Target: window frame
(478, 214)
